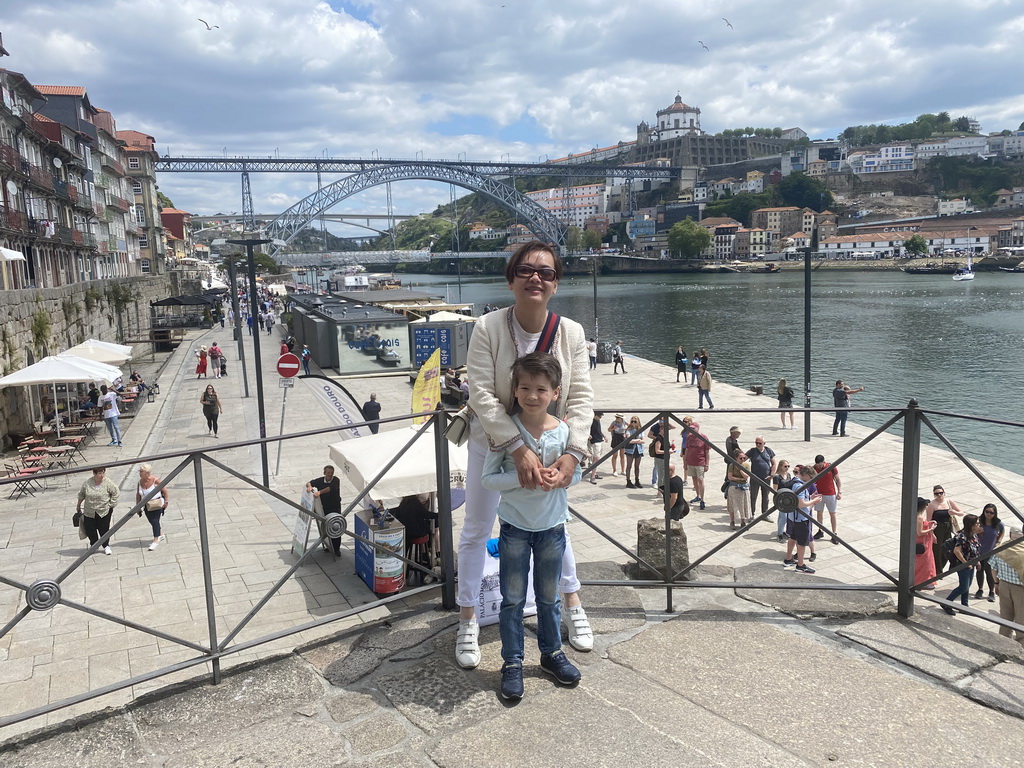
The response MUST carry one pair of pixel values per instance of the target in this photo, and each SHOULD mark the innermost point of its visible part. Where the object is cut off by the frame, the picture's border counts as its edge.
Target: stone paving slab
(807, 603)
(612, 718)
(937, 644)
(1001, 686)
(824, 706)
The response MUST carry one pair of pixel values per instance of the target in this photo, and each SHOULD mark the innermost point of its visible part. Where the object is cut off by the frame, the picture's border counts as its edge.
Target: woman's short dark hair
(969, 521)
(525, 250)
(538, 364)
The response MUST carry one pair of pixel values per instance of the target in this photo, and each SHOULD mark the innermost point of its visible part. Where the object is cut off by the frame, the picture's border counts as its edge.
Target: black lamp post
(250, 244)
(237, 330)
(808, 251)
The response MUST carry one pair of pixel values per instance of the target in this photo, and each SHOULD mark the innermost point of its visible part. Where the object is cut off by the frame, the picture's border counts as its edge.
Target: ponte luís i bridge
(496, 181)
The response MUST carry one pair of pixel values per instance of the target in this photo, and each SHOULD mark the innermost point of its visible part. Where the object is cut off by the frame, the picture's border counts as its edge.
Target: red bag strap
(547, 334)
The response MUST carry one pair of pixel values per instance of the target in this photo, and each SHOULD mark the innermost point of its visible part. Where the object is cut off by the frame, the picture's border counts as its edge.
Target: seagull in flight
(704, 46)
(208, 27)
(727, 22)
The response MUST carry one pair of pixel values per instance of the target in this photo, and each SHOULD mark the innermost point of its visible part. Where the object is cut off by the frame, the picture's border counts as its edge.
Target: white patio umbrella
(61, 369)
(101, 351)
(362, 458)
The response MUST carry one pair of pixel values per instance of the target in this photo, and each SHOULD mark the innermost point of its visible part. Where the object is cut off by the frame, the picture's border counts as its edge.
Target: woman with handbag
(501, 337)
(96, 501)
(156, 501)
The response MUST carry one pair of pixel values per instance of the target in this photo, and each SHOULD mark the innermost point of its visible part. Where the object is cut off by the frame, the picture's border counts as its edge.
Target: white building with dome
(678, 119)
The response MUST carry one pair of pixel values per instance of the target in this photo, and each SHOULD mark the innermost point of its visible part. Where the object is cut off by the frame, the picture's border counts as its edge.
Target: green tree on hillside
(687, 239)
(573, 239)
(739, 206)
(801, 190)
(916, 245)
(163, 200)
(591, 239)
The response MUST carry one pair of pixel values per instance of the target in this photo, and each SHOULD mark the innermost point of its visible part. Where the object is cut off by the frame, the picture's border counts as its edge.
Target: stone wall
(40, 322)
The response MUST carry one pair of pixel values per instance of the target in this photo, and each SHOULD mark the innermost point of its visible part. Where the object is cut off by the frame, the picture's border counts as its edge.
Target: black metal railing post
(444, 511)
(908, 509)
(204, 551)
(666, 458)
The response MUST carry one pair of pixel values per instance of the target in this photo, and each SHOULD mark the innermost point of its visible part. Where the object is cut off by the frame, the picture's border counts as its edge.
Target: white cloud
(485, 79)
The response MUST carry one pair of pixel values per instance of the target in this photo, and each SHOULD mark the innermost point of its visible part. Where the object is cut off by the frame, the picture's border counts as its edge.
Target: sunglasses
(526, 271)
(939, 493)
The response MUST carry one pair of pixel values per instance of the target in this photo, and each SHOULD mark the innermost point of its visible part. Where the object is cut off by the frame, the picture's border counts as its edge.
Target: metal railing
(45, 593)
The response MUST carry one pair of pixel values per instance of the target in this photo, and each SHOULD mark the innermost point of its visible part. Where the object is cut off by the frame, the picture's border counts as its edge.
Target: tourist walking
(694, 367)
(786, 394)
(617, 358)
(111, 414)
(762, 466)
(499, 338)
(201, 356)
(215, 354)
(633, 448)
(991, 537)
(212, 408)
(596, 445)
(305, 356)
(924, 557)
(704, 389)
(371, 412)
(96, 501)
(966, 546)
(944, 512)
(155, 501)
(1009, 572)
(532, 528)
(830, 491)
(592, 352)
(697, 461)
(618, 432)
(681, 364)
(841, 400)
(737, 495)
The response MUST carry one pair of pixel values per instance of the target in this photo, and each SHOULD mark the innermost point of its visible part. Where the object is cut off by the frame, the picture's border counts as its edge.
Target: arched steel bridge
(485, 178)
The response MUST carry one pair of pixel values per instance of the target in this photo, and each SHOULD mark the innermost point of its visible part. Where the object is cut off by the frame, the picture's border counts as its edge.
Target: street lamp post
(238, 323)
(250, 244)
(807, 331)
(593, 272)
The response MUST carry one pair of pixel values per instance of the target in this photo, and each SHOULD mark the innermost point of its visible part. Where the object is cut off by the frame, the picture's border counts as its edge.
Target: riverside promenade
(732, 676)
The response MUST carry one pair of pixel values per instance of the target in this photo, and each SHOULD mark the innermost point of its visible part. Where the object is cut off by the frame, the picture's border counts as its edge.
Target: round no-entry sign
(288, 365)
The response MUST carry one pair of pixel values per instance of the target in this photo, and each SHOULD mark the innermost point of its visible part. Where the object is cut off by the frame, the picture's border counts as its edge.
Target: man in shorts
(697, 461)
(798, 523)
(830, 490)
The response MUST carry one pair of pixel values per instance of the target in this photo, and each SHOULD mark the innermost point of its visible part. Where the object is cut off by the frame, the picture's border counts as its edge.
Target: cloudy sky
(486, 79)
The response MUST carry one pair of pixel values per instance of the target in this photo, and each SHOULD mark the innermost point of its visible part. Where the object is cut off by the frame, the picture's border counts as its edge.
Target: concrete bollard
(650, 546)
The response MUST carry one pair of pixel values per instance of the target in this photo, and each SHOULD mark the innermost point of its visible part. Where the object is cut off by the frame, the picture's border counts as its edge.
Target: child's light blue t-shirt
(529, 510)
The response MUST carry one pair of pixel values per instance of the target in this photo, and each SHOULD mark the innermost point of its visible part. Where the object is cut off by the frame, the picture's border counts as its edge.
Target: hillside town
(80, 199)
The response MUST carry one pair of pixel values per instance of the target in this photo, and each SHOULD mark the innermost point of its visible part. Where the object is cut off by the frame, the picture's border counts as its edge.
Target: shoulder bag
(457, 431)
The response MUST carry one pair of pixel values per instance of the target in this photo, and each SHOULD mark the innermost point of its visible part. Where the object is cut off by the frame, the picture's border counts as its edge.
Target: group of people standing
(948, 537)
(697, 365)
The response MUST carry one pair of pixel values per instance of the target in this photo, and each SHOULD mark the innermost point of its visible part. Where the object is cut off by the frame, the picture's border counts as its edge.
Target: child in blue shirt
(532, 524)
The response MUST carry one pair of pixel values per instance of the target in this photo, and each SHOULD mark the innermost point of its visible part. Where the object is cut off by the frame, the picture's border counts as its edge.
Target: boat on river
(931, 268)
(964, 273)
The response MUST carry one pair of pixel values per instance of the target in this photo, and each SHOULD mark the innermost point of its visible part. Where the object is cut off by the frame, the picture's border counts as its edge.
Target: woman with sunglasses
(944, 512)
(991, 537)
(967, 547)
(500, 338)
(633, 447)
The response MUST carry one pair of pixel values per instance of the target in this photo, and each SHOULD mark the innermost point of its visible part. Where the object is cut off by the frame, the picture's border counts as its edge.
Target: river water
(952, 346)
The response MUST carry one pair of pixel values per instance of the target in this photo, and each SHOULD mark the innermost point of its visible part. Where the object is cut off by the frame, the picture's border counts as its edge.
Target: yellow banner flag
(426, 393)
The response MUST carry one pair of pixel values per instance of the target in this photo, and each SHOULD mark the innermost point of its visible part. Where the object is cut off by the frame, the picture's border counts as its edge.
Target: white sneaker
(154, 545)
(467, 647)
(106, 551)
(581, 637)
